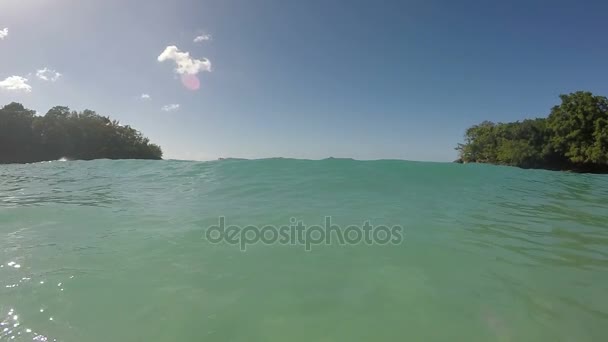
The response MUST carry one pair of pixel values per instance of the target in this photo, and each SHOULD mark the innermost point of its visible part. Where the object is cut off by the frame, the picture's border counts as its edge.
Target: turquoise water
(116, 251)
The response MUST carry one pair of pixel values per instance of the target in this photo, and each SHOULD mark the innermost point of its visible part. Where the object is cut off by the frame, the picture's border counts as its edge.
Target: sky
(302, 79)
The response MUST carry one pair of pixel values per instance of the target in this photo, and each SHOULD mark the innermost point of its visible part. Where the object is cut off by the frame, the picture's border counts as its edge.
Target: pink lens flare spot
(191, 82)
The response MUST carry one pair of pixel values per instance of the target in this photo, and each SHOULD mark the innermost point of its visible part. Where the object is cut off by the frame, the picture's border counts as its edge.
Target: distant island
(61, 133)
(574, 137)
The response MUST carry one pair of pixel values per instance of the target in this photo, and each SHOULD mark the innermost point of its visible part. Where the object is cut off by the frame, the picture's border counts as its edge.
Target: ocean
(205, 251)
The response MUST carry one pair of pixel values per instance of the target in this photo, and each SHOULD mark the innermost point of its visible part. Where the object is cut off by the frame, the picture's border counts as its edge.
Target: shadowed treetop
(61, 133)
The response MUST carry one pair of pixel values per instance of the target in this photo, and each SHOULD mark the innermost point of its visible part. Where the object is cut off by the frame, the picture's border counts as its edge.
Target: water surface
(115, 251)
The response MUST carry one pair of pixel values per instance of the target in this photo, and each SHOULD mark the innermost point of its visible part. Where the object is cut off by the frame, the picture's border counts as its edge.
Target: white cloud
(3, 33)
(170, 107)
(202, 38)
(144, 97)
(47, 74)
(185, 63)
(17, 83)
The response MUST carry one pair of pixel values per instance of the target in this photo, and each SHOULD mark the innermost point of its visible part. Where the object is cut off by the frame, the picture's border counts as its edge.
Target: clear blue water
(117, 251)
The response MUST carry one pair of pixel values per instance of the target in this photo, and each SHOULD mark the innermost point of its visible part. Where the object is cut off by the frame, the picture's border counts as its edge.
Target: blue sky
(304, 79)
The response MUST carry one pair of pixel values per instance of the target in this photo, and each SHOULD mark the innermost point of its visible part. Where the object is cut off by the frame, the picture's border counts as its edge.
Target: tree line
(573, 137)
(61, 133)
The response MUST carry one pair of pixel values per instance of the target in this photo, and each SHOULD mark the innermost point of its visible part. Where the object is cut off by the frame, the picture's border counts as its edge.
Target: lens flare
(191, 82)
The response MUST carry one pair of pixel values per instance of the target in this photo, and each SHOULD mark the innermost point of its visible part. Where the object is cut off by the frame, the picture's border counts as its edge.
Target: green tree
(480, 144)
(580, 128)
(16, 140)
(25, 137)
(573, 137)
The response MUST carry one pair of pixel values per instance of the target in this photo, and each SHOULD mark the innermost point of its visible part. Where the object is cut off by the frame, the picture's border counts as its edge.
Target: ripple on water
(490, 253)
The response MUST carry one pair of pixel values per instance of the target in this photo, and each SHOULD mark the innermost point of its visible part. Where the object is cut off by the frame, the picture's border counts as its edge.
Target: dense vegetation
(61, 133)
(573, 137)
